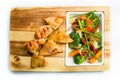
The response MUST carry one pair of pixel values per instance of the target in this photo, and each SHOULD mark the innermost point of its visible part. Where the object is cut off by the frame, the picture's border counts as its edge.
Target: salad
(87, 38)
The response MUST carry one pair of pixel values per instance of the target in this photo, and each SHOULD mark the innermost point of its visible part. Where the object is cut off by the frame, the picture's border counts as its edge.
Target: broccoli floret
(76, 44)
(75, 36)
(79, 59)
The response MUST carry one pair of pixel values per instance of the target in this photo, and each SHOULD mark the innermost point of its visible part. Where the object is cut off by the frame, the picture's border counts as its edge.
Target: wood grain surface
(25, 21)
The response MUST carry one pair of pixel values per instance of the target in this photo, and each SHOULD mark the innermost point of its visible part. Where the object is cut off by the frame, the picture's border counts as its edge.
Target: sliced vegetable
(94, 17)
(83, 41)
(84, 47)
(78, 31)
(73, 53)
(89, 15)
(80, 24)
(89, 28)
(91, 52)
(83, 23)
(91, 34)
(83, 17)
(99, 35)
(95, 22)
(79, 59)
(92, 48)
(75, 45)
(93, 59)
(89, 22)
(87, 55)
(84, 52)
(99, 47)
(95, 29)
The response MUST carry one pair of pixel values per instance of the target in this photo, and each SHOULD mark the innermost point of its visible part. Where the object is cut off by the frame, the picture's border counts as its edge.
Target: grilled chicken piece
(53, 35)
(46, 30)
(41, 41)
(43, 32)
(50, 48)
(54, 22)
(33, 45)
(53, 45)
(62, 37)
(38, 61)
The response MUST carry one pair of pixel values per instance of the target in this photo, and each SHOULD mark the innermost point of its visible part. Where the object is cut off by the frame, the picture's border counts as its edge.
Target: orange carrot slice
(73, 53)
(83, 17)
(89, 22)
(93, 59)
(89, 28)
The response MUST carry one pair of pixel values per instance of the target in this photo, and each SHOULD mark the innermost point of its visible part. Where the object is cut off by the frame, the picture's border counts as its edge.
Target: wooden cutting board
(25, 21)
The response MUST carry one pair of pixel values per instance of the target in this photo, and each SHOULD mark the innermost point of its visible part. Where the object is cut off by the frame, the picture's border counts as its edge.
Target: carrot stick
(89, 28)
(89, 22)
(73, 53)
(93, 59)
(83, 17)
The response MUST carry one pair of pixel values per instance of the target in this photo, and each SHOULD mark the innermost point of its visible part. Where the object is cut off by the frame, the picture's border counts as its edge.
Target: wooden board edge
(36, 7)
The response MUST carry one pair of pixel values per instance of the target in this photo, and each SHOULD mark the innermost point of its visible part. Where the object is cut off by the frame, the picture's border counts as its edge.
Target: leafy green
(79, 59)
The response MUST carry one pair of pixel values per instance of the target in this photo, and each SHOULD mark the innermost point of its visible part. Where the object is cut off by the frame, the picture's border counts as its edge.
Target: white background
(6, 74)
